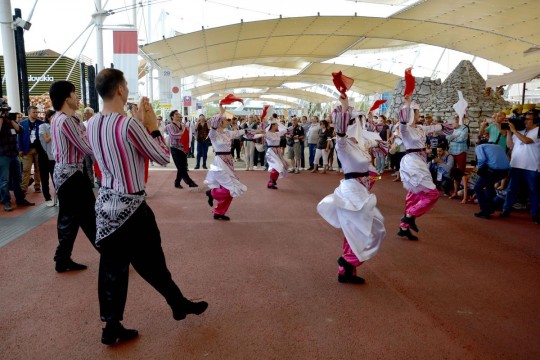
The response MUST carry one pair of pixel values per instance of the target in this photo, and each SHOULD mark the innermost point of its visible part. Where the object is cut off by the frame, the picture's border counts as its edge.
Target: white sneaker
(254, 168)
(49, 203)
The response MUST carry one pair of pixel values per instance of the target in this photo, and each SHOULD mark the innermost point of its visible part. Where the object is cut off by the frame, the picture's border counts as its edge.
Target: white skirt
(415, 174)
(276, 162)
(220, 174)
(353, 209)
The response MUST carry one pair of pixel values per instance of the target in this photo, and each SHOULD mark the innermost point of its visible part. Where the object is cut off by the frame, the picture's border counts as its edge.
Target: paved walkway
(467, 290)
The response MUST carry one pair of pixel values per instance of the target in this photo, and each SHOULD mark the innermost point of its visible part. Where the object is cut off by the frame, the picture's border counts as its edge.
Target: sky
(57, 23)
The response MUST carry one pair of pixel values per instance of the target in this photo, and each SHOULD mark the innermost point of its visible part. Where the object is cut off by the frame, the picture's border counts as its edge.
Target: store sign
(41, 78)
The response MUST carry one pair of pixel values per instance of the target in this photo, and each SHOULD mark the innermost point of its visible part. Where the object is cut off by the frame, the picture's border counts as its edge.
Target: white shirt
(526, 156)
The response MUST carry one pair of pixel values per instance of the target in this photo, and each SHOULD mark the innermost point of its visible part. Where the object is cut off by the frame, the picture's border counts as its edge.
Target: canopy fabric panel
(367, 81)
(474, 27)
(515, 77)
(257, 96)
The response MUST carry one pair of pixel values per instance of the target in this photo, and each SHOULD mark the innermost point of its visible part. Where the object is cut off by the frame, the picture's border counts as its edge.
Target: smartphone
(505, 126)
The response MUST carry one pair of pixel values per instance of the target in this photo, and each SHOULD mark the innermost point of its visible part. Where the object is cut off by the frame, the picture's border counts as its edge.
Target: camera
(4, 108)
(505, 126)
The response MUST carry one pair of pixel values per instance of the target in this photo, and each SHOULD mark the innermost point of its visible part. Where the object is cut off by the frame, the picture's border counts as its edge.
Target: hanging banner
(165, 93)
(125, 52)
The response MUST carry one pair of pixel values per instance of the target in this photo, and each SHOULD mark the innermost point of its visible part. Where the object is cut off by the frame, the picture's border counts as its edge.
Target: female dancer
(178, 152)
(277, 165)
(352, 207)
(221, 179)
(422, 192)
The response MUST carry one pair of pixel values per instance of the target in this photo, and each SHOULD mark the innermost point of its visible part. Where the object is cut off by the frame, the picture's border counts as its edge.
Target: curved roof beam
(256, 96)
(482, 32)
(367, 81)
(308, 96)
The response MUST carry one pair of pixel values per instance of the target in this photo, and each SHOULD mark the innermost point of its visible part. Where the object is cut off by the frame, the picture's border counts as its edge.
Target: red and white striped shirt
(120, 146)
(69, 146)
(175, 135)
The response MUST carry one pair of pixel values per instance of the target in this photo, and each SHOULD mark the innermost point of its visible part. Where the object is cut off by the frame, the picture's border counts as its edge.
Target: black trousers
(236, 145)
(180, 161)
(76, 202)
(136, 242)
(45, 170)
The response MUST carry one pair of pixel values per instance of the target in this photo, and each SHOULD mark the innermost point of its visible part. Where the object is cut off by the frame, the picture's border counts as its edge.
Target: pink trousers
(274, 175)
(419, 204)
(350, 257)
(223, 198)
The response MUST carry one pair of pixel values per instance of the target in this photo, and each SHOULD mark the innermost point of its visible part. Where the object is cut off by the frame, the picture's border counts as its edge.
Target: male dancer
(127, 232)
(75, 196)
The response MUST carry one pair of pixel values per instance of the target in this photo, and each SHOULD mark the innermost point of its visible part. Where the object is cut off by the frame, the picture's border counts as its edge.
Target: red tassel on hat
(342, 82)
(409, 82)
(265, 110)
(377, 104)
(229, 99)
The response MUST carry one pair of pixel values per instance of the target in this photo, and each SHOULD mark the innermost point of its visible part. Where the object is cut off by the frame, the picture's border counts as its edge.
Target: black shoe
(69, 266)
(204, 167)
(349, 268)
(197, 167)
(410, 221)
(210, 198)
(536, 220)
(406, 233)
(310, 168)
(272, 187)
(7, 207)
(221, 217)
(113, 333)
(352, 279)
(504, 214)
(25, 202)
(193, 185)
(189, 307)
(178, 186)
(482, 215)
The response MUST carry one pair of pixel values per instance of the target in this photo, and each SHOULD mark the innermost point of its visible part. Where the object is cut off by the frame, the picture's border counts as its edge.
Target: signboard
(165, 78)
(125, 59)
(187, 100)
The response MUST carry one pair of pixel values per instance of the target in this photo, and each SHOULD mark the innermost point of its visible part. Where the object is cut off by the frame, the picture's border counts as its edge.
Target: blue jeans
(516, 176)
(202, 151)
(312, 149)
(10, 174)
(484, 188)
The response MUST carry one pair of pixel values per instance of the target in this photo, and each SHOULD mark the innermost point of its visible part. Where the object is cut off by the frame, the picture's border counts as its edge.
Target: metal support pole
(10, 60)
(21, 63)
(83, 83)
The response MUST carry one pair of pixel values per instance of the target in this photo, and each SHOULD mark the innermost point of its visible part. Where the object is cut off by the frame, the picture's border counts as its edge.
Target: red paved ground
(469, 289)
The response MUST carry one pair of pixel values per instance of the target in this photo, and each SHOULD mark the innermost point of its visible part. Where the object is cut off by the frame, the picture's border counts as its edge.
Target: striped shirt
(414, 137)
(175, 134)
(341, 119)
(120, 146)
(69, 146)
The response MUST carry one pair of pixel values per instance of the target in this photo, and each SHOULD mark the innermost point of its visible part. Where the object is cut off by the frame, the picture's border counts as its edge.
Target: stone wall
(437, 98)
(423, 89)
